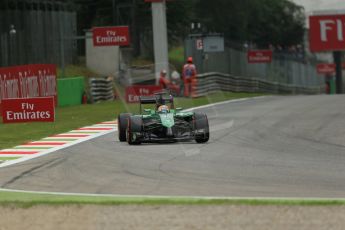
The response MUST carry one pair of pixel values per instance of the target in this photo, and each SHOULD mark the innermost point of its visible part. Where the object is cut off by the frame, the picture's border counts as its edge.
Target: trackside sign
(327, 33)
(259, 56)
(28, 81)
(133, 92)
(17, 110)
(111, 36)
(326, 68)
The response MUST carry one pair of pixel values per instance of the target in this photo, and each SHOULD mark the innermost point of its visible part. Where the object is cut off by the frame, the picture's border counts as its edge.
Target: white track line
(224, 102)
(176, 197)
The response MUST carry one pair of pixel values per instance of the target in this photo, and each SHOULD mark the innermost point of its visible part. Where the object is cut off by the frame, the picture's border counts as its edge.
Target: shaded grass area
(176, 54)
(75, 71)
(27, 200)
(142, 61)
(176, 57)
(69, 118)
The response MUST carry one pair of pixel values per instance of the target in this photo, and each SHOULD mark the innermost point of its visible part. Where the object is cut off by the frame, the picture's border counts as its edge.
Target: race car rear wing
(158, 99)
(147, 100)
(154, 100)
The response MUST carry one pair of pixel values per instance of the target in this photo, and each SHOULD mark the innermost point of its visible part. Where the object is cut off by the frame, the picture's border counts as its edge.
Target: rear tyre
(122, 121)
(134, 129)
(201, 128)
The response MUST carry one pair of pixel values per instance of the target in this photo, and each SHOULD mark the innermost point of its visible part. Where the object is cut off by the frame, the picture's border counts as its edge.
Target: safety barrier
(211, 82)
(101, 89)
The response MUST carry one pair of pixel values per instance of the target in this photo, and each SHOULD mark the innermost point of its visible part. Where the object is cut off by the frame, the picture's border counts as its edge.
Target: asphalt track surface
(273, 146)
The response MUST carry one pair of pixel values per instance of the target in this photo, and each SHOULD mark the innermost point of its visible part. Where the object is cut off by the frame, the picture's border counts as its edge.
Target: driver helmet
(163, 109)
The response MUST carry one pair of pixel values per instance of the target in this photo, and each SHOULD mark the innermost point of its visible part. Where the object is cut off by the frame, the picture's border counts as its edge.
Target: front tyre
(202, 131)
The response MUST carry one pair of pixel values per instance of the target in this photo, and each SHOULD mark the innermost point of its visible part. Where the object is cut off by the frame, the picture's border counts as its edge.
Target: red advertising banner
(17, 110)
(133, 92)
(28, 81)
(325, 68)
(111, 36)
(327, 33)
(259, 56)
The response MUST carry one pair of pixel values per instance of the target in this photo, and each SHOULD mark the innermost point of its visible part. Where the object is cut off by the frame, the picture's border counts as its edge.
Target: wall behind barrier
(39, 28)
(70, 91)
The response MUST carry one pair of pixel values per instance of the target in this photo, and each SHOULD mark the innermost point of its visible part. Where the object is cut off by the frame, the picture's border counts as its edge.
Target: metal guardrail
(211, 82)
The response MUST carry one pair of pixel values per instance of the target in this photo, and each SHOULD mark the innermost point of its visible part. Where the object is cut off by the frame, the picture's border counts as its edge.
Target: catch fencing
(211, 82)
(288, 72)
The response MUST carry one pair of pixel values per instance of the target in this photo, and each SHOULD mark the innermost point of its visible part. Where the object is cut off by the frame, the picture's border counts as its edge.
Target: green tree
(263, 22)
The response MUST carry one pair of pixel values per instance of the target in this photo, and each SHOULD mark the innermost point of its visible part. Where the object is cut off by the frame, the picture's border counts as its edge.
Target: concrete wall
(103, 60)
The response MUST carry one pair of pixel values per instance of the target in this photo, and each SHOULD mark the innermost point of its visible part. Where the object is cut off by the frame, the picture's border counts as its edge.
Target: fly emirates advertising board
(39, 109)
(28, 93)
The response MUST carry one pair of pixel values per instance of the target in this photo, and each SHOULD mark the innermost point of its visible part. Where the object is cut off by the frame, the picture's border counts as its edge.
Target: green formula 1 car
(163, 123)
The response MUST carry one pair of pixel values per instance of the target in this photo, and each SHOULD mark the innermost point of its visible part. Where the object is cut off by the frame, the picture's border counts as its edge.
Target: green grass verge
(212, 98)
(26, 200)
(67, 118)
(8, 158)
(73, 117)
